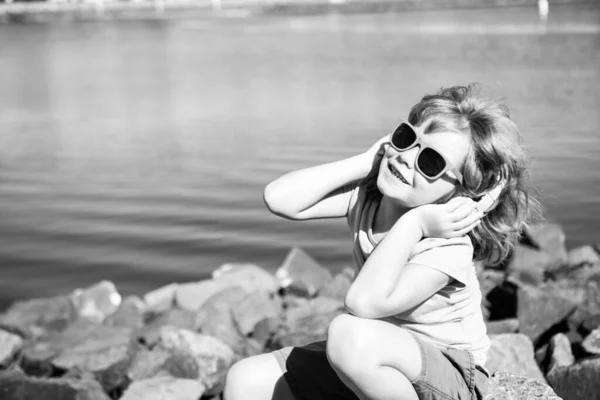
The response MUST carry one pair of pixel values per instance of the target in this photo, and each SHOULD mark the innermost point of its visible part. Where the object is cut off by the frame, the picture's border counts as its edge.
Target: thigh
(309, 374)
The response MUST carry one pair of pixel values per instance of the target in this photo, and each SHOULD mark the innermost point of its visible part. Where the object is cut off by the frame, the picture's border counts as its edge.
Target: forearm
(381, 272)
(298, 190)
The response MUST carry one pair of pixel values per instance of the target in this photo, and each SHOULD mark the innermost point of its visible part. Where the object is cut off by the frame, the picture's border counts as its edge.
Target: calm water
(138, 151)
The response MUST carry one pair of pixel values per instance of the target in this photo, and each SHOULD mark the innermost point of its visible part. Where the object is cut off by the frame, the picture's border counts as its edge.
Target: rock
(96, 302)
(585, 256)
(212, 355)
(215, 318)
(513, 353)
(265, 329)
(249, 276)
(301, 270)
(560, 352)
(34, 318)
(9, 346)
(130, 314)
(160, 300)
(106, 352)
(549, 238)
(502, 301)
(590, 323)
(509, 325)
(578, 381)
(254, 308)
(164, 388)
(181, 319)
(191, 296)
(507, 386)
(308, 323)
(528, 265)
(591, 343)
(339, 285)
(163, 362)
(539, 310)
(17, 386)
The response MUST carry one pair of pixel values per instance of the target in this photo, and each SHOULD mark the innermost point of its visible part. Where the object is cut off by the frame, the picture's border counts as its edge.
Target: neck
(387, 214)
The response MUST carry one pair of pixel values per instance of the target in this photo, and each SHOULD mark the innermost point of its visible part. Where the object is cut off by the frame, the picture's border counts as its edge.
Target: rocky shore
(178, 342)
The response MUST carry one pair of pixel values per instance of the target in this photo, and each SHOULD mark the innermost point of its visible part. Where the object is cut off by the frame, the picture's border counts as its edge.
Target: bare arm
(317, 192)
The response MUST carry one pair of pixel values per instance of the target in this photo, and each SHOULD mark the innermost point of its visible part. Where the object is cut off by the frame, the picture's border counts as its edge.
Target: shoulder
(452, 256)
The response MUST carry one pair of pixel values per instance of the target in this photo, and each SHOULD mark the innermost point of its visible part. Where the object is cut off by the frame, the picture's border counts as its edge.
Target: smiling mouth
(397, 174)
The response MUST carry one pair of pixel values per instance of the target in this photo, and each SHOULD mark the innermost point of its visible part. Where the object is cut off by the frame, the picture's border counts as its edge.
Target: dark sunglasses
(431, 163)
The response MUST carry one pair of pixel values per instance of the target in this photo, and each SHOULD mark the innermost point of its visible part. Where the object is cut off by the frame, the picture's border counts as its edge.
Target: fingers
(468, 220)
(468, 228)
(466, 208)
(454, 203)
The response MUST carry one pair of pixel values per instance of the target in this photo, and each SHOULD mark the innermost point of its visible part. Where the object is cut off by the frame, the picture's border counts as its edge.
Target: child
(414, 327)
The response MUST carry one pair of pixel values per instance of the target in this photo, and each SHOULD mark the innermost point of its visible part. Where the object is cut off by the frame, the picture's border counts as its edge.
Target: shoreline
(25, 12)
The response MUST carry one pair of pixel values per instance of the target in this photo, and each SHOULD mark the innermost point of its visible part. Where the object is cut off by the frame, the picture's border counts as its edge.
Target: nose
(408, 157)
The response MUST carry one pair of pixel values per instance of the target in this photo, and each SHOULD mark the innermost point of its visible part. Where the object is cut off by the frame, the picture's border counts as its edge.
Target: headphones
(489, 200)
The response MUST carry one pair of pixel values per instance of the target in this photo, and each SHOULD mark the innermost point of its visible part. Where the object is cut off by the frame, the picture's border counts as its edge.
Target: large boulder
(96, 302)
(550, 238)
(130, 314)
(191, 296)
(181, 319)
(302, 274)
(559, 353)
(158, 361)
(164, 388)
(9, 346)
(249, 276)
(577, 381)
(36, 317)
(511, 352)
(307, 323)
(591, 343)
(539, 310)
(509, 325)
(106, 352)
(255, 307)
(528, 265)
(17, 386)
(160, 300)
(507, 386)
(338, 287)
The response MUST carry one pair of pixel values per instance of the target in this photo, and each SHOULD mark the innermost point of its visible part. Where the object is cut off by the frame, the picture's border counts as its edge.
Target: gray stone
(191, 296)
(17, 386)
(301, 270)
(107, 353)
(130, 314)
(560, 352)
(509, 325)
(591, 343)
(9, 346)
(34, 318)
(212, 355)
(539, 310)
(583, 256)
(249, 276)
(528, 265)
(338, 287)
(253, 308)
(550, 238)
(164, 388)
(182, 319)
(161, 299)
(308, 322)
(96, 302)
(215, 318)
(265, 329)
(159, 361)
(513, 352)
(507, 386)
(578, 381)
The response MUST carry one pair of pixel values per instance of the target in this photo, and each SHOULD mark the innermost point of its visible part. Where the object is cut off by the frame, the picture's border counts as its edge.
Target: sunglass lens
(430, 162)
(403, 137)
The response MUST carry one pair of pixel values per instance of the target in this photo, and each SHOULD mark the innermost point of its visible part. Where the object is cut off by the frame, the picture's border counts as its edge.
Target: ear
(489, 200)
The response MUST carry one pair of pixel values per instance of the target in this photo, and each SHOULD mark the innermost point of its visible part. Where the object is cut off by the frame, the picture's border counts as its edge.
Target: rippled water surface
(138, 151)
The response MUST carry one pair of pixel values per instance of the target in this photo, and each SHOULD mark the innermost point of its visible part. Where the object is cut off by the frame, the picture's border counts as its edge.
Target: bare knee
(348, 343)
(252, 378)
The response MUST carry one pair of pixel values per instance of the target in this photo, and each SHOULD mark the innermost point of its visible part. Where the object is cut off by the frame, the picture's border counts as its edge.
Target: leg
(374, 358)
(257, 378)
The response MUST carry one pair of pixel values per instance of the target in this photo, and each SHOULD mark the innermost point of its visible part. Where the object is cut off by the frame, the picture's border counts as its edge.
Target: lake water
(138, 151)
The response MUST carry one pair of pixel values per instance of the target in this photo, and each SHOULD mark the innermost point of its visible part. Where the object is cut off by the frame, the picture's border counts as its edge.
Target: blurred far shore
(19, 11)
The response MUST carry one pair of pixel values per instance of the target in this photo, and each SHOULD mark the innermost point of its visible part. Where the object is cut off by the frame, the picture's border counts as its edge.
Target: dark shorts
(446, 374)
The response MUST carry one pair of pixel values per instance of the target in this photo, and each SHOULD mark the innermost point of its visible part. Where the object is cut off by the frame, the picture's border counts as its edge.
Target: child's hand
(375, 153)
(453, 219)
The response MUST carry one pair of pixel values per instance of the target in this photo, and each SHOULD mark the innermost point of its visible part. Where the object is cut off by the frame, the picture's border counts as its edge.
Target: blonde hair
(496, 153)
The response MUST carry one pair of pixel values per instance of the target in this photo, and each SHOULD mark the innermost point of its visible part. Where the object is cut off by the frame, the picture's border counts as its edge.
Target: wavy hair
(496, 152)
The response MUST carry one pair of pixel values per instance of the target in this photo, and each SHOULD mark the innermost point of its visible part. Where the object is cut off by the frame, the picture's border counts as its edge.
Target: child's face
(415, 190)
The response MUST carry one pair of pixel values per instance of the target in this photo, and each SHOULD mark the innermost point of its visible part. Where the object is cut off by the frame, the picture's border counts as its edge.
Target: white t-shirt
(452, 316)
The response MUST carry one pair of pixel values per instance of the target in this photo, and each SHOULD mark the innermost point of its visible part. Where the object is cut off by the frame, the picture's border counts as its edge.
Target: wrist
(413, 220)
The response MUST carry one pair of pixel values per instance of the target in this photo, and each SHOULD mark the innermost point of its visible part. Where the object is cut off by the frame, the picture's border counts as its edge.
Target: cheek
(430, 192)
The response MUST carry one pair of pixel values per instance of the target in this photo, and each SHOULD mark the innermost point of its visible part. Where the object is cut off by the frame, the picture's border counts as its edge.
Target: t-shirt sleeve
(454, 257)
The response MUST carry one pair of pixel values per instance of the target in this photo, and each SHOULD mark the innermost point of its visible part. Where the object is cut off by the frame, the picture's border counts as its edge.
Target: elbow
(362, 306)
(275, 204)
